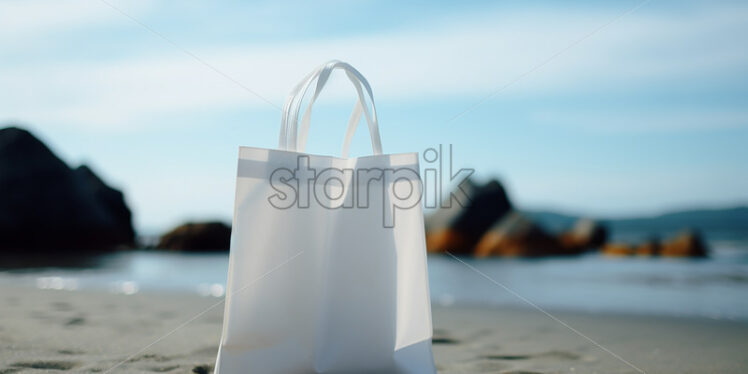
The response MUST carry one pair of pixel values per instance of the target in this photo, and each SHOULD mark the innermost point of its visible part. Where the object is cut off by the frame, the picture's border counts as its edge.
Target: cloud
(23, 20)
(470, 56)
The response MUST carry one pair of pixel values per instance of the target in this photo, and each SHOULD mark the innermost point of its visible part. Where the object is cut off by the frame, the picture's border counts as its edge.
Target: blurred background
(608, 140)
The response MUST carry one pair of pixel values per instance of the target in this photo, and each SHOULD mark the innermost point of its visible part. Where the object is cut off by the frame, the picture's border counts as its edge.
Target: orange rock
(648, 248)
(686, 244)
(457, 227)
(617, 249)
(443, 241)
(516, 235)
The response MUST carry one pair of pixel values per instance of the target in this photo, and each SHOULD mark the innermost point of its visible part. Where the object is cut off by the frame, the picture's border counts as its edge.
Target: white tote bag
(327, 272)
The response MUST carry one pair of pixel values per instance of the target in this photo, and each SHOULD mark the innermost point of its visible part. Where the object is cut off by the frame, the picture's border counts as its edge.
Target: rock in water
(617, 249)
(586, 234)
(45, 205)
(450, 208)
(208, 236)
(457, 227)
(650, 247)
(686, 244)
(111, 200)
(517, 235)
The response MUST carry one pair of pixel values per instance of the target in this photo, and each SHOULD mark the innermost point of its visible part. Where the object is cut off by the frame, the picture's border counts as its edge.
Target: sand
(97, 332)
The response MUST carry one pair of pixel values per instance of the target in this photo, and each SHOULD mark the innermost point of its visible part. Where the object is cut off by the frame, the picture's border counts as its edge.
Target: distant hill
(716, 224)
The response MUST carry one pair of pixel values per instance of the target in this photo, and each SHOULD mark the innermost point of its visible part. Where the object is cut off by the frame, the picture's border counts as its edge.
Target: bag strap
(291, 140)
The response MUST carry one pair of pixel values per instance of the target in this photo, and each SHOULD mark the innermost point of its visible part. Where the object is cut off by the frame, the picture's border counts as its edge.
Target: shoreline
(594, 284)
(88, 331)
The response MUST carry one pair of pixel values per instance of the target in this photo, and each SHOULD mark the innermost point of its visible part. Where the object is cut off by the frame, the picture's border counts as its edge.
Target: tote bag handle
(293, 141)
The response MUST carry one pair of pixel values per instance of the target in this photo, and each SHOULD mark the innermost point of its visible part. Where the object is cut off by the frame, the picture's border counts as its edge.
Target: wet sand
(97, 332)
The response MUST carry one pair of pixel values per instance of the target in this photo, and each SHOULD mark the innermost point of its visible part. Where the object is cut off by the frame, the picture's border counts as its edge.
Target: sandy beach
(90, 332)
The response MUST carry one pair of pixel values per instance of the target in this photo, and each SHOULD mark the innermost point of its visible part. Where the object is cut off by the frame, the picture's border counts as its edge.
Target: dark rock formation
(450, 208)
(110, 200)
(517, 235)
(458, 228)
(45, 205)
(207, 236)
(586, 234)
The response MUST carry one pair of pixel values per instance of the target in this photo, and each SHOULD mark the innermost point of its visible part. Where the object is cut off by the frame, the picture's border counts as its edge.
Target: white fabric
(290, 140)
(328, 288)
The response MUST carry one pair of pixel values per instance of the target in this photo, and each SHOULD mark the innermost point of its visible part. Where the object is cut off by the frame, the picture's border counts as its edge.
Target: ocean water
(715, 288)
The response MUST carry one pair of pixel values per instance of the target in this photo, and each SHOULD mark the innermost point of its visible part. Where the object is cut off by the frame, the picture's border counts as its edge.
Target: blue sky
(647, 113)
